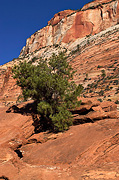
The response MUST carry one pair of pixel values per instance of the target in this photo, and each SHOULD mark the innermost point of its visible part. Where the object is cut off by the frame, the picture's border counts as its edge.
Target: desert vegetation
(50, 84)
(106, 84)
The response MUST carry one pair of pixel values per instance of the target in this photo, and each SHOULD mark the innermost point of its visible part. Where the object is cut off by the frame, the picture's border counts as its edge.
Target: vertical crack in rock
(101, 14)
(115, 8)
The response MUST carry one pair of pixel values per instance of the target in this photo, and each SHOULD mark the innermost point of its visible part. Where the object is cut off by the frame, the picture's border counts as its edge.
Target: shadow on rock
(3, 177)
(40, 123)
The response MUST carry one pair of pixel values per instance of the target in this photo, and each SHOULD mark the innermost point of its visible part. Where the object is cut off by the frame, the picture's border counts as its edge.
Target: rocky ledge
(89, 149)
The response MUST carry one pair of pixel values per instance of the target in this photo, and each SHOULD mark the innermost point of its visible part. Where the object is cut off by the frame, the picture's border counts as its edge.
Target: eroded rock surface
(9, 91)
(91, 43)
(92, 110)
(88, 150)
(66, 27)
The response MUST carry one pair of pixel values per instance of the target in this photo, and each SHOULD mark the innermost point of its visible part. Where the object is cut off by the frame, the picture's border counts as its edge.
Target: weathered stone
(108, 106)
(86, 151)
(93, 18)
(52, 156)
(59, 16)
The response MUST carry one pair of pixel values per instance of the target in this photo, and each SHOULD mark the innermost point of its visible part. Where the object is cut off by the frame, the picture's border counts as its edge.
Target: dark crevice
(27, 109)
(89, 120)
(3, 177)
(101, 14)
(19, 146)
(83, 111)
(82, 121)
(19, 153)
(31, 141)
(40, 123)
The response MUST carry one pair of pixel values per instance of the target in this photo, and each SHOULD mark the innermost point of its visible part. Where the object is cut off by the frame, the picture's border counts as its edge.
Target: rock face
(74, 32)
(59, 16)
(90, 148)
(86, 151)
(97, 54)
(9, 91)
(68, 26)
(93, 110)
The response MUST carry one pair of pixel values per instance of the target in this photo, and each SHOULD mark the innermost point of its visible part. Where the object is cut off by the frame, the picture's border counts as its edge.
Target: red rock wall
(67, 26)
(9, 91)
(93, 18)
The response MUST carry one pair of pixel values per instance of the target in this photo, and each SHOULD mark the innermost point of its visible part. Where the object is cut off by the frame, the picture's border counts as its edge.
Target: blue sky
(19, 19)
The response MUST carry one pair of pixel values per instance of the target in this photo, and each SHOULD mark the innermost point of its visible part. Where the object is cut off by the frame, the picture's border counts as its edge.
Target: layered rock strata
(90, 37)
(9, 91)
(68, 26)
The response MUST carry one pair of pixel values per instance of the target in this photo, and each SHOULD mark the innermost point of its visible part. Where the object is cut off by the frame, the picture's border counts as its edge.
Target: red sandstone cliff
(86, 151)
(9, 91)
(68, 26)
(94, 29)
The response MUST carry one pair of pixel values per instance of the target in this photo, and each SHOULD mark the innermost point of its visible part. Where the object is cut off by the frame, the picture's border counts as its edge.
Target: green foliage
(44, 108)
(13, 59)
(101, 93)
(86, 77)
(56, 45)
(103, 73)
(62, 119)
(116, 82)
(100, 100)
(111, 66)
(117, 102)
(99, 66)
(109, 100)
(34, 59)
(51, 85)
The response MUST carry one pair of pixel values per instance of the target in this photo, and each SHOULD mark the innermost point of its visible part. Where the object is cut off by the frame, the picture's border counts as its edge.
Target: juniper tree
(50, 84)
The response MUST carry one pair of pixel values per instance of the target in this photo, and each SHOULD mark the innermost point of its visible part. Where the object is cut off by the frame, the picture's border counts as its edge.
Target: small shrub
(95, 86)
(34, 59)
(99, 66)
(107, 88)
(115, 69)
(101, 93)
(111, 66)
(116, 82)
(13, 59)
(100, 100)
(103, 73)
(109, 100)
(117, 102)
(90, 91)
(55, 45)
